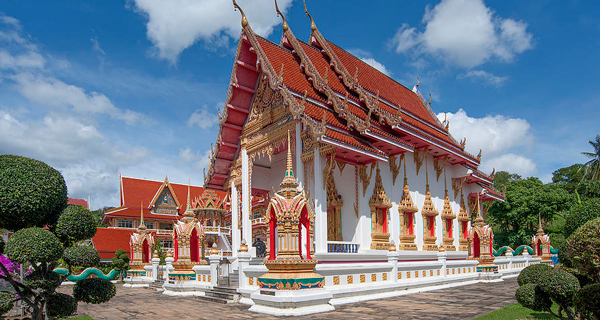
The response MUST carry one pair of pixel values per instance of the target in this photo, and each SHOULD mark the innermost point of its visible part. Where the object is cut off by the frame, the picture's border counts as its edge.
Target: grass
(79, 318)
(517, 311)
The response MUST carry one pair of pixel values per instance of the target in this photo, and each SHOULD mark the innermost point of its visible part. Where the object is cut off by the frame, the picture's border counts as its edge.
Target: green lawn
(516, 311)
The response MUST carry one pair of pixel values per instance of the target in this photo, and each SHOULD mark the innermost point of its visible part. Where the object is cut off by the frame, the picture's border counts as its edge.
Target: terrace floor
(463, 302)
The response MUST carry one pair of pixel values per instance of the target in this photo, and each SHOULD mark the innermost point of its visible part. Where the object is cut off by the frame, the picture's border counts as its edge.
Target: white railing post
(169, 266)
(243, 262)
(393, 259)
(214, 260)
(443, 257)
(155, 262)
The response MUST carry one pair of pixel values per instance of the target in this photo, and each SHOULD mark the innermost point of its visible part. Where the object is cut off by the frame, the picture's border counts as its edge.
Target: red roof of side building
(78, 202)
(108, 240)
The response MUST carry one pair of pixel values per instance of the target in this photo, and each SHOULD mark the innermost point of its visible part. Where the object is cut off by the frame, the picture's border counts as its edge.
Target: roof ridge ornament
(313, 26)
(279, 13)
(244, 19)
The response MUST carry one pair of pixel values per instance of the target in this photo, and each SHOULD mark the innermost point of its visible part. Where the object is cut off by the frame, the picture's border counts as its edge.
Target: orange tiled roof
(108, 240)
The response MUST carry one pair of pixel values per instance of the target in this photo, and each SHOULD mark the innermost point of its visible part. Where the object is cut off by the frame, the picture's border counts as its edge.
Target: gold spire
(463, 208)
(540, 222)
(289, 183)
(244, 19)
(285, 25)
(406, 204)
(189, 200)
(428, 207)
(447, 211)
(142, 226)
(313, 26)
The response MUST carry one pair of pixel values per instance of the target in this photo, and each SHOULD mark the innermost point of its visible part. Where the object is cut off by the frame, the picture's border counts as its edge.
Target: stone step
(213, 299)
(221, 295)
(225, 290)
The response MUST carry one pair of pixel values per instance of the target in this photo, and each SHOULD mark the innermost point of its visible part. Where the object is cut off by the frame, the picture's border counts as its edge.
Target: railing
(225, 253)
(342, 247)
(163, 231)
(259, 220)
(217, 230)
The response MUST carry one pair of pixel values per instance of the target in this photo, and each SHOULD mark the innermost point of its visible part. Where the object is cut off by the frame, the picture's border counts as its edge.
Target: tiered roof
(136, 191)
(345, 102)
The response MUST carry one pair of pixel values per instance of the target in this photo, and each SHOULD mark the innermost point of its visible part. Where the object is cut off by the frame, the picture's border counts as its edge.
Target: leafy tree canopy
(569, 177)
(32, 194)
(503, 178)
(516, 219)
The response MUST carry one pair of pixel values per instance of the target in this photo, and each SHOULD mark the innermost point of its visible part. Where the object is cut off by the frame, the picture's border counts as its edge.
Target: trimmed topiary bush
(583, 249)
(532, 274)
(76, 223)
(580, 214)
(34, 245)
(587, 300)
(81, 256)
(559, 285)
(6, 302)
(60, 305)
(31, 193)
(45, 281)
(94, 290)
(530, 296)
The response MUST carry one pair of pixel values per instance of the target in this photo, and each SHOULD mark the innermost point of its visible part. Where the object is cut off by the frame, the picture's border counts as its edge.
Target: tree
(568, 177)
(120, 262)
(515, 220)
(503, 178)
(592, 167)
(33, 195)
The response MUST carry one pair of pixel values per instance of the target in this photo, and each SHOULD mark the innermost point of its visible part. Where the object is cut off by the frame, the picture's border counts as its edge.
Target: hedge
(532, 273)
(31, 193)
(35, 245)
(61, 305)
(560, 285)
(94, 290)
(583, 249)
(530, 296)
(81, 256)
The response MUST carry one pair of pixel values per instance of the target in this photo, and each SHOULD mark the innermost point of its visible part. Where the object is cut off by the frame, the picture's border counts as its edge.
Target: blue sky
(94, 87)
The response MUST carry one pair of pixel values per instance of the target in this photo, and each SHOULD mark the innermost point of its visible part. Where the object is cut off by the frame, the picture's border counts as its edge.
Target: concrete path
(464, 302)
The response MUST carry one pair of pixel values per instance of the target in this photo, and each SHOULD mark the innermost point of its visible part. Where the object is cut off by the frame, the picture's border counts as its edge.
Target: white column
(243, 263)
(168, 266)
(155, 262)
(214, 265)
(393, 259)
(235, 233)
(246, 199)
(442, 257)
(419, 222)
(394, 219)
(299, 173)
(320, 205)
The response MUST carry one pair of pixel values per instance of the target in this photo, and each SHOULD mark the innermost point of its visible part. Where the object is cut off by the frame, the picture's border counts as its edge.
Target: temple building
(372, 156)
(162, 205)
(377, 196)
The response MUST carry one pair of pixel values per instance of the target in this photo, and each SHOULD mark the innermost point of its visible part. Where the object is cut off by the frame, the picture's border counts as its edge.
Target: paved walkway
(464, 302)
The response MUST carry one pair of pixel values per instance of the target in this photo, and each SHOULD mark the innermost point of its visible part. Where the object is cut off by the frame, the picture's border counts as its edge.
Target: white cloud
(488, 79)
(26, 61)
(465, 33)
(203, 118)
(175, 25)
(50, 92)
(96, 46)
(512, 163)
(499, 138)
(377, 65)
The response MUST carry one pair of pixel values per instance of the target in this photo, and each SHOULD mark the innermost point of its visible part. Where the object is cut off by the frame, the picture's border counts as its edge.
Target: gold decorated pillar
(380, 206)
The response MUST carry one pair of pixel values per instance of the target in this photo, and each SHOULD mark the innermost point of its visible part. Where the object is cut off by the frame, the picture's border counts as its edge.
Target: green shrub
(588, 300)
(31, 193)
(34, 245)
(94, 290)
(6, 302)
(583, 249)
(60, 305)
(46, 281)
(559, 285)
(530, 296)
(580, 214)
(76, 223)
(532, 274)
(81, 256)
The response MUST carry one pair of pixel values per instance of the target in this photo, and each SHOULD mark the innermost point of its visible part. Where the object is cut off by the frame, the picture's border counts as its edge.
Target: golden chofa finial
(244, 19)
(313, 26)
(285, 25)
